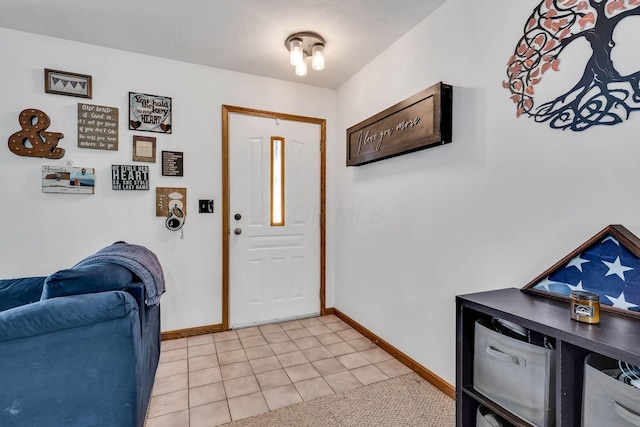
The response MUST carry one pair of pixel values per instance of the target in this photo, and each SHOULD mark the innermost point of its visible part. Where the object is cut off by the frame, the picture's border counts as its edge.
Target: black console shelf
(616, 336)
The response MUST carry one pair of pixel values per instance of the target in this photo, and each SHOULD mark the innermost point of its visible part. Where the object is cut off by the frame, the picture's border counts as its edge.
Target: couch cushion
(98, 277)
(17, 292)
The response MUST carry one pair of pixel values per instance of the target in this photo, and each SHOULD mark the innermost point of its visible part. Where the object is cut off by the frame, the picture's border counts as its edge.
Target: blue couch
(79, 347)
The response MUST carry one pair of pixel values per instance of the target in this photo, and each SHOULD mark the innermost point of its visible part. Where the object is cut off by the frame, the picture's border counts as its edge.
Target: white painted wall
(499, 205)
(495, 208)
(43, 233)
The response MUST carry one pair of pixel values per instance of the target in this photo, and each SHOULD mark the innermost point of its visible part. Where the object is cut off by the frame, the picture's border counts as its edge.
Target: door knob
(237, 231)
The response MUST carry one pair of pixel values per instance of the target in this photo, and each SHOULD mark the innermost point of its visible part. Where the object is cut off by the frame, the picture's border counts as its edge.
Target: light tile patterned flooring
(213, 379)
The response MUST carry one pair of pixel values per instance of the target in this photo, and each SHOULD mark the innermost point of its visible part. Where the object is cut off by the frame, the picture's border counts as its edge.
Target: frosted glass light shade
(296, 56)
(306, 49)
(317, 52)
(301, 68)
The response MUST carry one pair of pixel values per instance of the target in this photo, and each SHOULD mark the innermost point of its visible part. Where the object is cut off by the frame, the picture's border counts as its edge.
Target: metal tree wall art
(602, 96)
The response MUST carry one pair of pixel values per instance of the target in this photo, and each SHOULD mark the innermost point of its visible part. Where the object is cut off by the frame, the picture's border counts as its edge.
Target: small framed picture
(172, 163)
(66, 83)
(144, 149)
(70, 180)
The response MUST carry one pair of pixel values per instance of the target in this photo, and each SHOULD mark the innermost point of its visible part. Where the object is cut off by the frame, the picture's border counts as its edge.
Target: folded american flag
(606, 268)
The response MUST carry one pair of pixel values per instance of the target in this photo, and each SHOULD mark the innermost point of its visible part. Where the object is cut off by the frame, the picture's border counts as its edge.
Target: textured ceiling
(239, 35)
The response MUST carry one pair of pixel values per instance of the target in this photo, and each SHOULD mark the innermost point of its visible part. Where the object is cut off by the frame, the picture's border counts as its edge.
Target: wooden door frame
(226, 229)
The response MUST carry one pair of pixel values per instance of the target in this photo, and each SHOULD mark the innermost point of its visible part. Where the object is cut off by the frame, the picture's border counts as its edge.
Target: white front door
(274, 219)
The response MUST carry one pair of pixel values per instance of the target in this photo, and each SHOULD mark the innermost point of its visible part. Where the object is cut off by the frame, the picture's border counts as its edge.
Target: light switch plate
(205, 206)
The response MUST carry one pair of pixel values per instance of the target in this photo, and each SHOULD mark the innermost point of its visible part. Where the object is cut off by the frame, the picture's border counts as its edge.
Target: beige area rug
(407, 400)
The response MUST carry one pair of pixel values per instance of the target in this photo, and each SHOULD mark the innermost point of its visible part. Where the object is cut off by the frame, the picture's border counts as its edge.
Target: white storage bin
(606, 400)
(515, 374)
(485, 418)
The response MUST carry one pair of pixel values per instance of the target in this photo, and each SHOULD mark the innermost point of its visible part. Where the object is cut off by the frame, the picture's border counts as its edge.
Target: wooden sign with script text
(418, 122)
(97, 127)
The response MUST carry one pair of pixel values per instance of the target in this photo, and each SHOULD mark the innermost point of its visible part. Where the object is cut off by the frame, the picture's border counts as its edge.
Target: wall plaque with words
(129, 177)
(172, 163)
(97, 127)
(418, 122)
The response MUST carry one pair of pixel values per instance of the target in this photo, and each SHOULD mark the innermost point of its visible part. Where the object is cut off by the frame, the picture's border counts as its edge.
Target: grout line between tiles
(253, 374)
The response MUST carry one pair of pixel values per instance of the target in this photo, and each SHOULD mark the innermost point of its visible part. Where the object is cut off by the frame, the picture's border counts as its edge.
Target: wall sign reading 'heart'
(149, 113)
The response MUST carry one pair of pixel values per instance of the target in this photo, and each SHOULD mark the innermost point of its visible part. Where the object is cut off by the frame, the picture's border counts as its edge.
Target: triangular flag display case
(607, 264)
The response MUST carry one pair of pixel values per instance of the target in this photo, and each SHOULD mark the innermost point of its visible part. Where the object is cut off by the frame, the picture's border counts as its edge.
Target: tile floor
(213, 379)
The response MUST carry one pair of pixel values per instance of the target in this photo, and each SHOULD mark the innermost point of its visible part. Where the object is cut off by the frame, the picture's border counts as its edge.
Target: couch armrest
(64, 313)
(98, 277)
(17, 292)
(72, 361)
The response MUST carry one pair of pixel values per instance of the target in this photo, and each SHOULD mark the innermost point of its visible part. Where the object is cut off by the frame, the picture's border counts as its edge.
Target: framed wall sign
(70, 180)
(169, 197)
(421, 121)
(66, 83)
(129, 177)
(144, 149)
(97, 127)
(172, 163)
(608, 264)
(150, 113)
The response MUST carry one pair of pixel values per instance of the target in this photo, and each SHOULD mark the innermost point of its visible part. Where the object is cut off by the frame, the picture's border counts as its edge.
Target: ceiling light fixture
(302, 46)
(301, 68)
